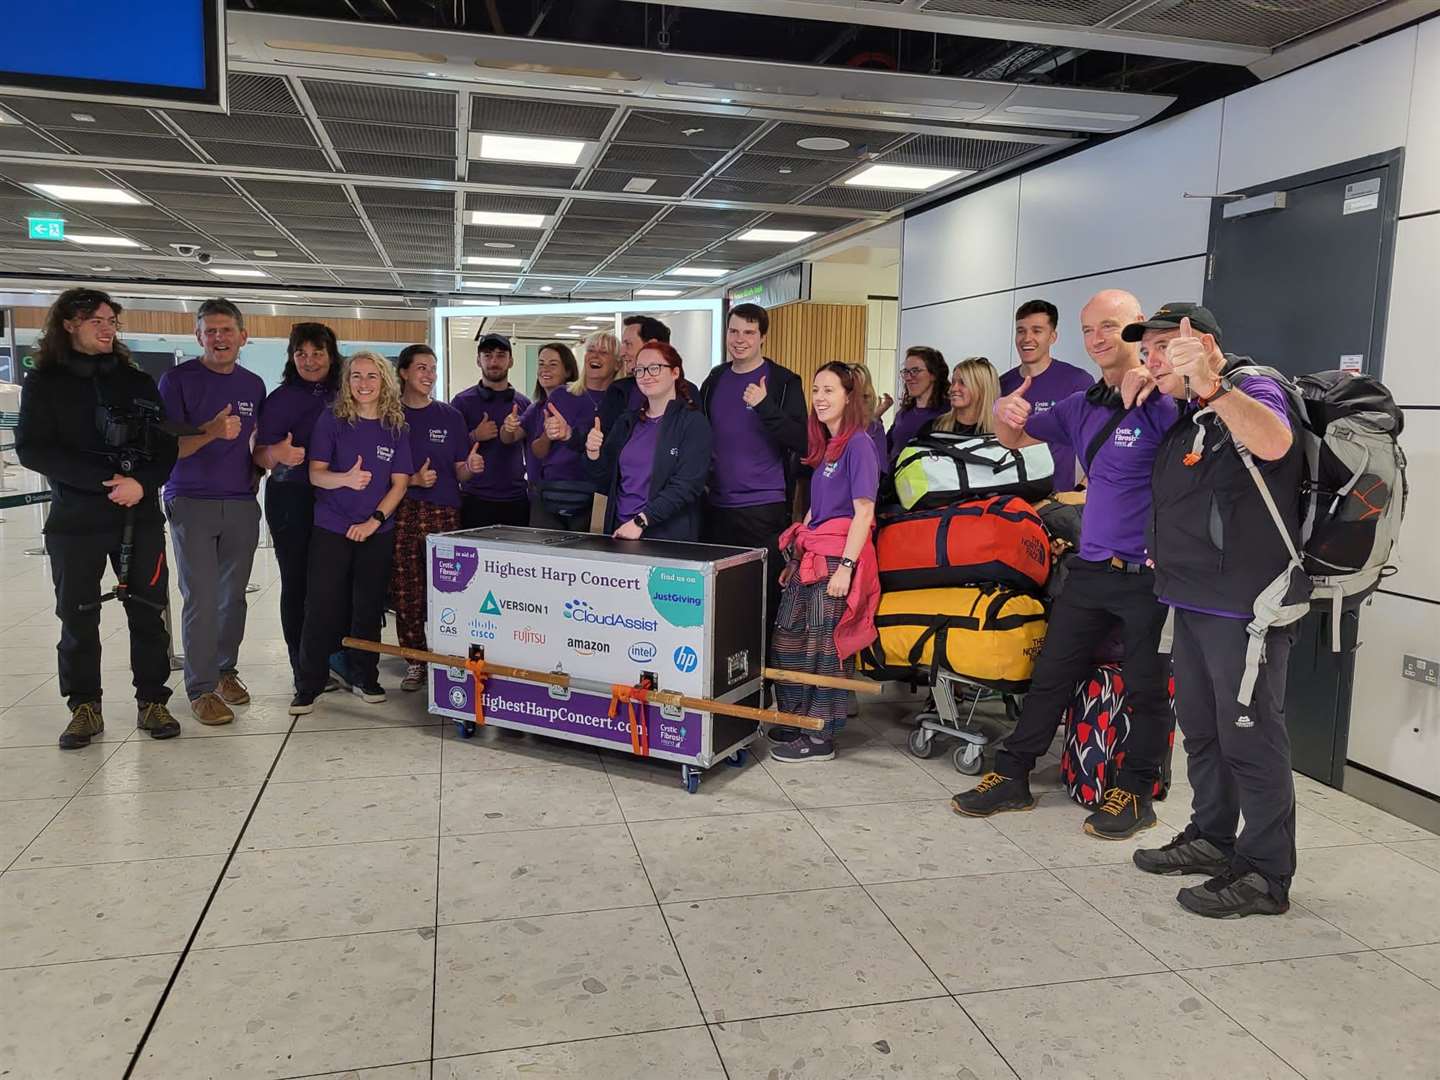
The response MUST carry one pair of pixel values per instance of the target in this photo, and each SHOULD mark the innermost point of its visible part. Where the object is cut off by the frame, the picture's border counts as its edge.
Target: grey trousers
(1239, 756)
(215, 541)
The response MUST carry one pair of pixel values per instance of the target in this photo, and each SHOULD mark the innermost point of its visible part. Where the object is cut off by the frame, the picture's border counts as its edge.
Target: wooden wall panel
(260, 326)
(804, 337)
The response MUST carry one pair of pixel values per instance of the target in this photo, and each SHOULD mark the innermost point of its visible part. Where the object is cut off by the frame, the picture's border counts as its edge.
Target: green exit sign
(46, 228)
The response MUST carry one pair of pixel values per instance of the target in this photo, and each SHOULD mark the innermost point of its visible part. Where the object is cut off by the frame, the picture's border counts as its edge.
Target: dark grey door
(1305, 288)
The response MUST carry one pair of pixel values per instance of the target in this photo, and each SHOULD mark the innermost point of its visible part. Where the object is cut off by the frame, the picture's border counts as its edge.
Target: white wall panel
(1411, 367)
(1386, 710)
(1119, 204)
(1419, 565)
(980, 326)
(1420, 191)
(962, 248)
(1345, 107)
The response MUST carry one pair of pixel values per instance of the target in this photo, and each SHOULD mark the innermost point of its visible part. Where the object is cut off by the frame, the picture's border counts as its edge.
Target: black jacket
(616, 402)
(60, 437)
(1214, 544)
(677, 477)
(782, 413)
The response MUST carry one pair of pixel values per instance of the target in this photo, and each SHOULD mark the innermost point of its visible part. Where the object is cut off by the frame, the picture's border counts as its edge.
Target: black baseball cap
(492, 341)
(1168, 318)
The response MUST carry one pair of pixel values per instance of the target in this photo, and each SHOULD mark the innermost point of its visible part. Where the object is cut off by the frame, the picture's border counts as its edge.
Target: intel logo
(642, 651)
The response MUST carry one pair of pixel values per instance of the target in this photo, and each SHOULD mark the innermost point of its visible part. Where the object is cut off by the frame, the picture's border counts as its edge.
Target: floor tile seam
(228, 946)
(559, 1042)
(358, 1069)
(545, 915)
(116, 862)
(435, 936)
(944, 996)
(68, 800)
(340, 843)
(1106, 916)
(706, 817)
(1235, 1020)
(89, 960)
(1386, 954)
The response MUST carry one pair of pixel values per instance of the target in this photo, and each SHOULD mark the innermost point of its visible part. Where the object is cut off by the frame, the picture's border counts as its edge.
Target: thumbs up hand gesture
(224, 425)
(287, 453)
(755, 393)
(474, 463)
(883, 405)
(556, 427)
(512, 422)
(358, 478)
(594, 441)
(1013, 410)
(1195, 357)
(486, 430)
(425, 476)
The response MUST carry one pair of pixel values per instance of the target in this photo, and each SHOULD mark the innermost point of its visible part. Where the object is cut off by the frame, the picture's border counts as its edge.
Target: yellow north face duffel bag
(989, 633)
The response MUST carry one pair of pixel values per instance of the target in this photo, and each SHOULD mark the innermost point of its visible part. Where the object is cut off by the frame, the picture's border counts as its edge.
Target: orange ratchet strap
(639, 727)
(476, 668)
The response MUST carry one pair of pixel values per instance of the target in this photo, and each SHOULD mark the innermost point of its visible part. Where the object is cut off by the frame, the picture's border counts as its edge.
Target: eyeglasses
(912, 372)
(650, 370)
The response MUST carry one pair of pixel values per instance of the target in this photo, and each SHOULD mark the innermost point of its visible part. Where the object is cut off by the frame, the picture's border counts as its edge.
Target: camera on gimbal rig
(129, 431)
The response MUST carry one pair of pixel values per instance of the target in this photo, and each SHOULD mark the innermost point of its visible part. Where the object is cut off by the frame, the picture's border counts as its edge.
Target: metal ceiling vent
(515, 64)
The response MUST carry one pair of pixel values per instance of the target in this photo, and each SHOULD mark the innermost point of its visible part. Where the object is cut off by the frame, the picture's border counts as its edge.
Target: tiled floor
(364, 895)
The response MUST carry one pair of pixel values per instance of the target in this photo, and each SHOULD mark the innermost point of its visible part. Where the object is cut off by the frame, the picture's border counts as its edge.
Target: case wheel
(690, 779)
(969, 758)
(465, 728)
(737, 758)
(922, 743)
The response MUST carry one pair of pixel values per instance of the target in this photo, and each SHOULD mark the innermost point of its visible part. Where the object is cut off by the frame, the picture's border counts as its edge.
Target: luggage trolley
(952, 691)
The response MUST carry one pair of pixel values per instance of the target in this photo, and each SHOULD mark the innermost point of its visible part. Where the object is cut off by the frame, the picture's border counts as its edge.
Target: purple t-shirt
(637, 462)
(437, 432)
(382, 451)
(835, 485)
(1268, 393)
(597, 397)
(1056, 383)
(745, 469)
(193, 395)
(504, 475)
(1117, 502)
(292, 409)
(907, 423)
(876, 431)
(562, 462)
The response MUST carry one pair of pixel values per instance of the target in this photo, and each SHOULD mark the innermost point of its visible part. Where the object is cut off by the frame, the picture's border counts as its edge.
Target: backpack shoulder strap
(1106, 430)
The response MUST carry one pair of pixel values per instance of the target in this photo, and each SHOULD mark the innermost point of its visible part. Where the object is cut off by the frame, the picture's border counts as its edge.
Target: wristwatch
(849, 564)
(1221, 390)
(642, 521)
(379, 515)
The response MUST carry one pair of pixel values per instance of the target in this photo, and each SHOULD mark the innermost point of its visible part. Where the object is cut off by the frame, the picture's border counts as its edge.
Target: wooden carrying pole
(551, 678)
(831, 682)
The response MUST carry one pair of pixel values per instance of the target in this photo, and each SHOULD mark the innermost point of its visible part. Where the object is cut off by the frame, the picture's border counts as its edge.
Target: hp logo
(686, 659)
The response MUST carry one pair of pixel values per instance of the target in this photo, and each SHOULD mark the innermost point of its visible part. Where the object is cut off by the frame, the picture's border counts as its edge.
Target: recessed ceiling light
(266, 253)
(487, 146)
(92, 240)
(600, 318)
(488, 284)
(698, 271)
(547, 288)
(585, 329)
(6, 118)
(236, 271)
(82, 117)
(50, 269)
(657, 292)
(639, 184)
(903, 177)
(823, 142)
(101, 269)
(508, 221)
(499, 245)
(492, 260)
(776, 236)
(85, 193)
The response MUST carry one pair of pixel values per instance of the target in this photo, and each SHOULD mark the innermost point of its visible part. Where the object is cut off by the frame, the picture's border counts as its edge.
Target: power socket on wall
(1418, 669)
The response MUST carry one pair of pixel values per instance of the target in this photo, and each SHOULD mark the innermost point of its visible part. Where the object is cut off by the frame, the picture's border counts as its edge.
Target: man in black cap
(498, 495)
(1218, 556)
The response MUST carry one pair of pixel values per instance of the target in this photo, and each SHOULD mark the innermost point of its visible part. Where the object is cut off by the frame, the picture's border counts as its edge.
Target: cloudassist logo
(581, 612)
(686, 659)
(447, 622)
(643, 651)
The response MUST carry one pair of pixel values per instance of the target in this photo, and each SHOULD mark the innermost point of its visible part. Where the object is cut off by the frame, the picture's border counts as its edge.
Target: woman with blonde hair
(600, 368)
(872, 411)
(354, 541)
(974, 386)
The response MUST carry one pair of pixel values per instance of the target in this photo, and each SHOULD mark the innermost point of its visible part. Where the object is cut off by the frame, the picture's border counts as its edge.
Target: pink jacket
(856, 628)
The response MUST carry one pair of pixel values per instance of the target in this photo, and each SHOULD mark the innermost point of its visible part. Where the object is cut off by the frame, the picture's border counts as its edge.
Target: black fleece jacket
(782, 413)
(677, 473)
(60, 438)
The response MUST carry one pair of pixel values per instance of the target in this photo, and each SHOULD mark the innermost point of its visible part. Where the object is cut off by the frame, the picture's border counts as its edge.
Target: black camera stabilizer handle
(126, 460)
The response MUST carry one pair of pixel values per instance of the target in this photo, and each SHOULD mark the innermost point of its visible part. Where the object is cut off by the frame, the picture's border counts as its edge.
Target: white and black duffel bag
(941, 468)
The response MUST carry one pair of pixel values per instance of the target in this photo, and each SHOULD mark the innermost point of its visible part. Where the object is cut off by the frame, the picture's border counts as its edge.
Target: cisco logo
(483, 629)
(643, 651)
(447, 622)
(686, 659)
(588, 648)
(581, 612)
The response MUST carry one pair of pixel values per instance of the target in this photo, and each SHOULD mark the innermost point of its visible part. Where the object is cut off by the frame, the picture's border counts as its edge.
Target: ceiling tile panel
(784, 139)
(498, 172)
(658, 160)
(381, 104)
(392, 139)
(261, 93)
(267, 157)
(408, 167)
(686, 129)
(663, 186)
(102, 144)
(527, 116)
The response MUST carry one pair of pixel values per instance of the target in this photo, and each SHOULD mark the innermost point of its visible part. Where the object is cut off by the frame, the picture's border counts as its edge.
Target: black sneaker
(993, 794)
(153, 718)
(373, 694)
(1232, 895)
(808, 747)
(1185, 854)
(85, 723)
(1122, 814)
(303, 702)
(782, 734)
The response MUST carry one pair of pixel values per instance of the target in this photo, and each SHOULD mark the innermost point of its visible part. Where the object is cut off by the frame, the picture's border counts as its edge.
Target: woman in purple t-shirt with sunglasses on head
(360, 464)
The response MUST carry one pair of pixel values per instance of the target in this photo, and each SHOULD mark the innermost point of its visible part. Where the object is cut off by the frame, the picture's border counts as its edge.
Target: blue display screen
(163, 46)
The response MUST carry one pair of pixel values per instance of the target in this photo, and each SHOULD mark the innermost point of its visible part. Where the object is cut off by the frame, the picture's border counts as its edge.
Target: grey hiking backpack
(1352, 502)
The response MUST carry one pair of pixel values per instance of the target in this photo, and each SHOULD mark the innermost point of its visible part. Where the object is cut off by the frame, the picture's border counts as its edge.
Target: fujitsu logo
(529, 635)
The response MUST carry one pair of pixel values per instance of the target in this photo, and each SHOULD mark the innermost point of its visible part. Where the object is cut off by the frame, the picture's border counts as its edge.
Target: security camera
(204, 257)
(186, 251)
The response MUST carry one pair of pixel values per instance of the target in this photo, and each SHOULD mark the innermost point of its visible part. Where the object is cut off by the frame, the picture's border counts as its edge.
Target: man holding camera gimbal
(90, 424)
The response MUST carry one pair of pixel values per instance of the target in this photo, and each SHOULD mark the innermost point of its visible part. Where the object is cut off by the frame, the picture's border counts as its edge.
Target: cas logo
(643, 651)
(686, 659)
(447, 622)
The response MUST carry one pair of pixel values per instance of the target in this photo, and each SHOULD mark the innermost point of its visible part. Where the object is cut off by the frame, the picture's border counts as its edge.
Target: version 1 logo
(581, 612)
(686, 659)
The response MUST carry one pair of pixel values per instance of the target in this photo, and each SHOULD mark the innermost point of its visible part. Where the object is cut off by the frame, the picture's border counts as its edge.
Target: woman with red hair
(654, 460)
(832, 586)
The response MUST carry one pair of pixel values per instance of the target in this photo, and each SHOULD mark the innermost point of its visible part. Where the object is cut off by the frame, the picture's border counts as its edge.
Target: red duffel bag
(1000, 539)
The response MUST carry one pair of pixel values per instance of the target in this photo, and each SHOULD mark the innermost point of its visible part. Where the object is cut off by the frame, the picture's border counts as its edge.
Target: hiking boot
(211, 711)
(85, 724)
(1232, 895)
(1185, 854)
(806, 748)
(414, 678)
(232, 691)
(373, 694)
(303, 702)
(153, 718)
(993, 794)
(1122, 814)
